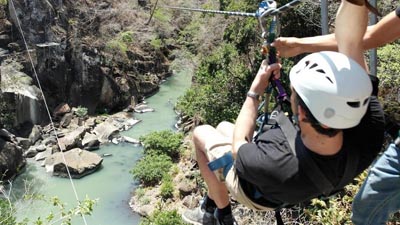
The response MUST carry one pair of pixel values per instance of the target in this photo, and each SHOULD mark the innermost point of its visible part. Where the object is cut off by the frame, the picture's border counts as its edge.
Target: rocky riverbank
(76, 136)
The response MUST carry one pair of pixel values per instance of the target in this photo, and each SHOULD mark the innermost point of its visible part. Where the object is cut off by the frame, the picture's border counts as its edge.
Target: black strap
(278, 217)
(312, 170)
(288, 129)
(309, 166)
(351, 167)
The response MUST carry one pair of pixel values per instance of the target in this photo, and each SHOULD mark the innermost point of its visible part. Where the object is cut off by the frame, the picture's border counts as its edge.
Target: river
(112, 184)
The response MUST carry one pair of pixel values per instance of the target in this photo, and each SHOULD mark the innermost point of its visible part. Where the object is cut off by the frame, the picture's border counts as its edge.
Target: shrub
(162, 142)
(156, 43)
(167, 187)
(151, 169)
(163, 218)
(219, 90)
(117, 47)
(127, 37)
(6, 213)
(81, 111)
(388, 70)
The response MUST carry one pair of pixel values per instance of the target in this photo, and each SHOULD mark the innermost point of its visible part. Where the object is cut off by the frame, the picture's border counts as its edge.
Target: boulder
(72, 139)
(80, 163)
(105, 130)
(61, 110)
(25, 143)
(43, 155)
(11, 160)
(90, 142)
(66, 120)
(35, 134)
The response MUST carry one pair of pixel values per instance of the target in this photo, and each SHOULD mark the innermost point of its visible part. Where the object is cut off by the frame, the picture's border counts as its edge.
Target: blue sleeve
(398, 11)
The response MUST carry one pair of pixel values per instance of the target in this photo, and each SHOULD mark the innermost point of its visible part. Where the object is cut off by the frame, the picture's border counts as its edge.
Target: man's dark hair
(314, 122)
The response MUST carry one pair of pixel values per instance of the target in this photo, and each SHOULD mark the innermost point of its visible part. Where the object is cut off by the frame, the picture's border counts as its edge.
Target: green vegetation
(221, 81)
(167, 187)
(127, 37)
(388, 70)
(156, 43)
(162, 16)
(151, 169)
(61, 214)
(162, 142)
(120, 44)
(81, 111)
(163, 217)
(3, 2)
(6, 212)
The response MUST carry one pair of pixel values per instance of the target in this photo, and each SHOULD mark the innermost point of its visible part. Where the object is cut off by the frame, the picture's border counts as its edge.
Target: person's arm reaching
(246, 120)
(350, 26)
(385, 31)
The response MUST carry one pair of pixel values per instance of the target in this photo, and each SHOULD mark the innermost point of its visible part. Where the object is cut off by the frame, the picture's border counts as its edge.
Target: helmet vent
(366, 101)
(321, 71)
(354, 104)
(329, 79)
(313, 66)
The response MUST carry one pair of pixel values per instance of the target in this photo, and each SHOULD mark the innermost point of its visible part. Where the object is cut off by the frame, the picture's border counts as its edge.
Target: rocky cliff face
(11, 159)
(76, 62)
(85, 53)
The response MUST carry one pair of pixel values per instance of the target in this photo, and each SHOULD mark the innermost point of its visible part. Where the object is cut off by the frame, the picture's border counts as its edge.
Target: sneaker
(198, 216)
(226, 220)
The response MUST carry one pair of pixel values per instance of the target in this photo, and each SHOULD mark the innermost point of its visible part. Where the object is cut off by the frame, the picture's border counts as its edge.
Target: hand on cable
(264, 75)
(287, 46)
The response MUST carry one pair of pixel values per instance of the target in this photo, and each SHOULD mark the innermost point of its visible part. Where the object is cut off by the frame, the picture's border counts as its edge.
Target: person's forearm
(350, 27)
(318, 43)
(385, 31)
(246, 120)
(245, 124)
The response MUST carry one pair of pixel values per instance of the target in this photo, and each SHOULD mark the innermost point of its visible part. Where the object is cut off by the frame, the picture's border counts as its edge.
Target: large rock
(105, 130)
(72, 139)
(11, 160)
(80, 163)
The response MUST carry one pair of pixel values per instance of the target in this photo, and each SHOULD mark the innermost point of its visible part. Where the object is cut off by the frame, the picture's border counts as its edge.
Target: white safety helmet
(335, 88)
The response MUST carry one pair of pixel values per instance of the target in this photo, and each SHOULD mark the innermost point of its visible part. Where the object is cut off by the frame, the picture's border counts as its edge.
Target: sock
(209, 204)
(221, 213)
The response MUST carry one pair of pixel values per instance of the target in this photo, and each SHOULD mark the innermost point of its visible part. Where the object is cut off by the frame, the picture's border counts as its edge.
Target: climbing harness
(46, 105)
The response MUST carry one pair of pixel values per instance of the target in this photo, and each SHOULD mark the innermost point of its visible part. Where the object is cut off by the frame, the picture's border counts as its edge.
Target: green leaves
(162, 142)
(151, 169)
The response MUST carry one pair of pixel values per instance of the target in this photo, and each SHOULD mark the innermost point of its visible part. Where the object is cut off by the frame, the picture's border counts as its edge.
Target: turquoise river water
(112, 185)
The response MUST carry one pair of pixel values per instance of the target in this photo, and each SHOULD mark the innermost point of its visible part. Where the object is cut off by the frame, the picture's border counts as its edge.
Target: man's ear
(301, 113)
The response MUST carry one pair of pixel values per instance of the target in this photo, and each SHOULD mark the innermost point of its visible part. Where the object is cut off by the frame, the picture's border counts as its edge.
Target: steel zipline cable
(47, 108)
(272, 12)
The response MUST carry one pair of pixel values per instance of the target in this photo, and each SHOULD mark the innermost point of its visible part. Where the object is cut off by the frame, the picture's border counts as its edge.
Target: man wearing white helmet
(379, 196)
(341, 132)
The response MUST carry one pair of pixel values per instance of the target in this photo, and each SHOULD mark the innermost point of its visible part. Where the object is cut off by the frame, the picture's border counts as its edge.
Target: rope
(47, 108)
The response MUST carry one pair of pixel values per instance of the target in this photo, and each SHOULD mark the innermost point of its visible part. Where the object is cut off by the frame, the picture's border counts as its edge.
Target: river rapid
(112, 185)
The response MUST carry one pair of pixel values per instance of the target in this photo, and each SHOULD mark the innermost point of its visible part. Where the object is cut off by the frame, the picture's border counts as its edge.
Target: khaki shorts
(216, 150)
